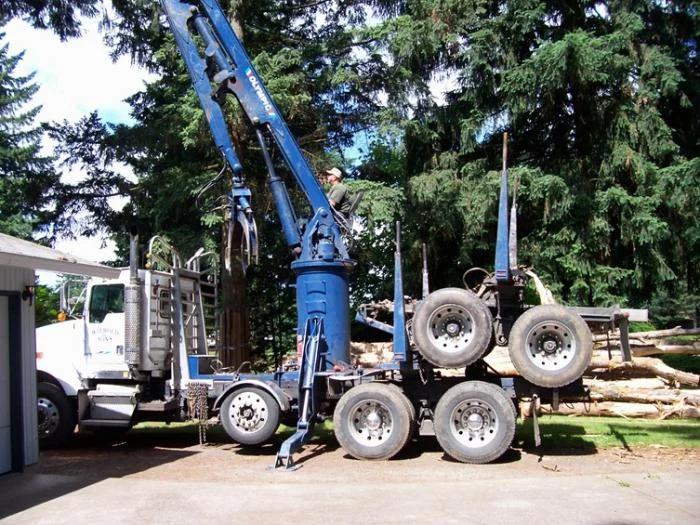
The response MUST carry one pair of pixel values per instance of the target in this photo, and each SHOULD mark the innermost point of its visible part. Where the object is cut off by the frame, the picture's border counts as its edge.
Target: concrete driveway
(156, 482)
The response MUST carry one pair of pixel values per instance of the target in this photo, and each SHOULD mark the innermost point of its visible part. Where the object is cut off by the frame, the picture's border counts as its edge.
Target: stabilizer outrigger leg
(310, 366)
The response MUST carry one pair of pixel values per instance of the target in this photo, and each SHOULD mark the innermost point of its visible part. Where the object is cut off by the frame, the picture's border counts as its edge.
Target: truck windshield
(105, 299)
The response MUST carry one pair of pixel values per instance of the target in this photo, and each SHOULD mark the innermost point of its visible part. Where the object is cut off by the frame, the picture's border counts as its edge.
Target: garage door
(5, 436)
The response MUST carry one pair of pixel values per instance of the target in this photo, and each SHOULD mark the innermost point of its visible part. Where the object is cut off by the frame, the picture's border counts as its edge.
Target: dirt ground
(168, 477)
(177, 455)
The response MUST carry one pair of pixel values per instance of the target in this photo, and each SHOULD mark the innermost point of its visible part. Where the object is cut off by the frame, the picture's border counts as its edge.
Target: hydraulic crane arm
(219, 66)
(322, 264)
(236, 75)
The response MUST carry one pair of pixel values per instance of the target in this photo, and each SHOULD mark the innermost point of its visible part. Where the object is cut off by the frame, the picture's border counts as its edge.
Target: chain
(198, 405)
(422, 371)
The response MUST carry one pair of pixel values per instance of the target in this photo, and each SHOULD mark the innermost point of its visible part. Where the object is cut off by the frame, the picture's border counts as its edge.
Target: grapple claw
(242, 237)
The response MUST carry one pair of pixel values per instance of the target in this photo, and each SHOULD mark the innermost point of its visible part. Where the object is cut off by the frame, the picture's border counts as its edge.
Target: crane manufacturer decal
(266, 102)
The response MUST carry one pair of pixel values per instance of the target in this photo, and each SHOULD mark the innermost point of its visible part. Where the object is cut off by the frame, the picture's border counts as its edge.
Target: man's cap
(334, 172)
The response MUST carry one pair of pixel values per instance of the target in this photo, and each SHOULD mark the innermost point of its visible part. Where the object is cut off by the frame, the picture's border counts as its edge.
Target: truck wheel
(250, 416)
(474, 422)
(452, 328)
(550, 346)
(413, 422)
(372, 421)
(55, 416)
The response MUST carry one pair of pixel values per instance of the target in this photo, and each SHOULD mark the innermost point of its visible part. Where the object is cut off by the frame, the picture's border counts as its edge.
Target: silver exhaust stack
(132, 307)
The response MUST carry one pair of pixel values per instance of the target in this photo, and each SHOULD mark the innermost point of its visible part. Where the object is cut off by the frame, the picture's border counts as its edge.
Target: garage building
(19, 445)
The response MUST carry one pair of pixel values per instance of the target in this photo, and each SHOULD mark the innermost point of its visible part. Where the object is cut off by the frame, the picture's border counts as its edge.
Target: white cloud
(77, 76)
(441, 84)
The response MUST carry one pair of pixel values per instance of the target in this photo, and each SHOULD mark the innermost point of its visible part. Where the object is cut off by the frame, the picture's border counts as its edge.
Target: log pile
(644, 344)
(614, 387)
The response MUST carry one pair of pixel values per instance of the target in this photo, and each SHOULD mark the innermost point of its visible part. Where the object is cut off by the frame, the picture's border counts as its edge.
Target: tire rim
(550, 346)
(248, 411)
(48, 417)
(371, 423)
(451, 328)
(473, 423)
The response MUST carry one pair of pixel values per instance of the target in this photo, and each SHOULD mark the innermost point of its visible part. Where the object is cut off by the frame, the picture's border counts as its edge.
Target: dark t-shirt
(341, 196)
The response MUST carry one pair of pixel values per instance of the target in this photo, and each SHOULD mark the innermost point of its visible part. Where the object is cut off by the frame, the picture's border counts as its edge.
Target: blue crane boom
(321, 264)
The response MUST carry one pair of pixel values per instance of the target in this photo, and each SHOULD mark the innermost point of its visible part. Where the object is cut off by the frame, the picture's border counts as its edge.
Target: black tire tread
(263, 435)
(517, 346)
(497, 399)
(67, 416)
(483, 328)
(389, 395)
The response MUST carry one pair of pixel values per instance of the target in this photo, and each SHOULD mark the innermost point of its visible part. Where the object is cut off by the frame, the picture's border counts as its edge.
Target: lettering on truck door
(105, 326)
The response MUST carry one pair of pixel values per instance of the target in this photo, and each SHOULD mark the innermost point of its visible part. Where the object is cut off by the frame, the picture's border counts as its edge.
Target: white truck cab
(127, 351)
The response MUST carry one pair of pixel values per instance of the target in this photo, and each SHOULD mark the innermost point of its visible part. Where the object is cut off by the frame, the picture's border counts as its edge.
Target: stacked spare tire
(549, 345)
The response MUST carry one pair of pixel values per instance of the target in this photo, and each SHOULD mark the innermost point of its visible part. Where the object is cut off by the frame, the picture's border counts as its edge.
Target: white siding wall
(5, 419)
(15, 279)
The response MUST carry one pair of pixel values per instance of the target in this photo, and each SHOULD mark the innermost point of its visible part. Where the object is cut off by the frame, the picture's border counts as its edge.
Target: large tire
(452, 328)
(474, 422)
(372, 421)
(55, 416)
(409, 406)
(550, 346)
(250, 416)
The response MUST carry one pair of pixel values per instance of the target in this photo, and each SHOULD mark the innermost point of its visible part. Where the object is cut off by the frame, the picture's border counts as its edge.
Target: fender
(271, 388)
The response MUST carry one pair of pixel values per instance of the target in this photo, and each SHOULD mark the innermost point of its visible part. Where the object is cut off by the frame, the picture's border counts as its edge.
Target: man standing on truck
(338, 195)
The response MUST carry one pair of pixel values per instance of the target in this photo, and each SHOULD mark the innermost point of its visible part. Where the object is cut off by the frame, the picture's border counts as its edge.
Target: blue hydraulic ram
(322, 263)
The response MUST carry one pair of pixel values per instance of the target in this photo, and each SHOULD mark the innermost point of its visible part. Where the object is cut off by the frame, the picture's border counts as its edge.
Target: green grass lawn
(605, 432)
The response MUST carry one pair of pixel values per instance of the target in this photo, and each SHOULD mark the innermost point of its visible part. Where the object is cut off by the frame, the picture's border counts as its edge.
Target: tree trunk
(647, 364)
(235, 317)
(235, 322)
(236, 18)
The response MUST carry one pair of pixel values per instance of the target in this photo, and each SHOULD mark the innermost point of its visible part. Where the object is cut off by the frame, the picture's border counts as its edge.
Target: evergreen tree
(27, 180)
(180, 189)
(61, 16)
(592, 94)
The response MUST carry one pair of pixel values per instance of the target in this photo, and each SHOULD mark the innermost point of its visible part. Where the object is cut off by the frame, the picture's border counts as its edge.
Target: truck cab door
(104, 349)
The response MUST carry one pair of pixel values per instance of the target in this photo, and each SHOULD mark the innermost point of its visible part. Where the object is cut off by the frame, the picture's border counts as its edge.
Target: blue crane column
(322, 263)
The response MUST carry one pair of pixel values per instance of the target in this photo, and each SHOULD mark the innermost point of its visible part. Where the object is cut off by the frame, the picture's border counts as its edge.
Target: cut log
(645, 349)
(644, 383)
(627, 410)
(654, 334)
(600, 391)
(648, 364)
(369, 355)
(499, 361)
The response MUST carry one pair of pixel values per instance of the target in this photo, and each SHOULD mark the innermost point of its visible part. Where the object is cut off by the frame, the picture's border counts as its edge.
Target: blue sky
(75, 78)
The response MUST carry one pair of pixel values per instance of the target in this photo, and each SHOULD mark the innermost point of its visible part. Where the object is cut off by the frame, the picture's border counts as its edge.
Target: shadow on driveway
(87, 460)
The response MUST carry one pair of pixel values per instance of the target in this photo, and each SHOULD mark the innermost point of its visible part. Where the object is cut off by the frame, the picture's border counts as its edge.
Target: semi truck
(140, 351)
